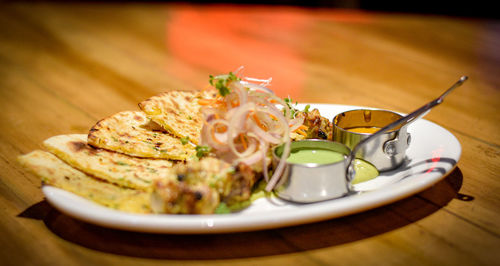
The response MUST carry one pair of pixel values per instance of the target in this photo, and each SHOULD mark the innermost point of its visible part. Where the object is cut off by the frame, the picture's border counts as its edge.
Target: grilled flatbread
(116, 168)
(56, 173)
(132, 133)
(178, 112)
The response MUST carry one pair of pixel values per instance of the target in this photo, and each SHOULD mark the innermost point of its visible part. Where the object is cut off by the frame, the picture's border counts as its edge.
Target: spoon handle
(413, 116)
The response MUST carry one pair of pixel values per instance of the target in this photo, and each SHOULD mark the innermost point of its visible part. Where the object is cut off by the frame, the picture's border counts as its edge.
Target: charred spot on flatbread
(77, 146)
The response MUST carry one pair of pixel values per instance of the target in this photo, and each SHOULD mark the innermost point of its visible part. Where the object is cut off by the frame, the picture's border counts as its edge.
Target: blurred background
(453, 8)
(479, 9)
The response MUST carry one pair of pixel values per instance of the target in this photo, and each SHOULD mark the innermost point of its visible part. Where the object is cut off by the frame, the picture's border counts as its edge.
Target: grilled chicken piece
(319, 127)
(198, 187)
(241, 183)
(177, 197)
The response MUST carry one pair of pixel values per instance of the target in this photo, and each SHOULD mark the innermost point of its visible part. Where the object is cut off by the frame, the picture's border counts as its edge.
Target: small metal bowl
(312, 182)
(387, 151)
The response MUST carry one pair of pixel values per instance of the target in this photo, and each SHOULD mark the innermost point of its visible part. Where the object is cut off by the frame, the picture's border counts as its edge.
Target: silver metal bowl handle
(405, 120)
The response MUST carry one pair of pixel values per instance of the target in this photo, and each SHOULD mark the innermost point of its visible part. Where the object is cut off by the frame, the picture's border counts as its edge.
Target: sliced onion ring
(250, 112)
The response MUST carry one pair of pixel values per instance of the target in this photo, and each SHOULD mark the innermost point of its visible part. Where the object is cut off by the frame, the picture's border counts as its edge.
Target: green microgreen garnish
(222, 208)
(291, 106)
(221, 82)
(306, 109)
(185, 140)
(202, 151)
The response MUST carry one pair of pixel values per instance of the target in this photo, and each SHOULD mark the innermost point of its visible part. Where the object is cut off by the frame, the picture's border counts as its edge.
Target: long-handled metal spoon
(413, 116)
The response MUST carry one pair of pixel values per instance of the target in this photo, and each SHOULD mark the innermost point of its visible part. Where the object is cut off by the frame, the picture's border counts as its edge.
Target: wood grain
(65, 66)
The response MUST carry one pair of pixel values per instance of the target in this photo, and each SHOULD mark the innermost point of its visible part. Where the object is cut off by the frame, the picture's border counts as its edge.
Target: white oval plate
(433, 153)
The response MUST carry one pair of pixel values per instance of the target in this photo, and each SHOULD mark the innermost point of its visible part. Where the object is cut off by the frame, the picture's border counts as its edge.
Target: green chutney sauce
(364, 170)
(311, 155)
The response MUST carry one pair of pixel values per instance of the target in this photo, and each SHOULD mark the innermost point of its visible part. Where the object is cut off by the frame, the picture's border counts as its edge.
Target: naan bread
(55, 172)
(116, 168)
(178, 112)
(132, 133)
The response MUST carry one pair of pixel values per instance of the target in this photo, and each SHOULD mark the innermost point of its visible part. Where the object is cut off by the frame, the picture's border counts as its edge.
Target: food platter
(433, 153)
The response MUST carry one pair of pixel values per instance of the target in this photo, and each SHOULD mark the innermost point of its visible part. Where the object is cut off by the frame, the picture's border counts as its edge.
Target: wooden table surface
(65, 66)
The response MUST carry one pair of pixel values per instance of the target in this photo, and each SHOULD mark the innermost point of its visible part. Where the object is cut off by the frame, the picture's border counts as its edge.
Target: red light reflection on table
(221, 39)
(266, 40)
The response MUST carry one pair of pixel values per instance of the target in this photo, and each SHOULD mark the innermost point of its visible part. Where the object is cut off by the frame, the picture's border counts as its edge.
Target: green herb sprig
(306, 109)
(292, 106)
(202, 151)
(221, 82)
(185, 140)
